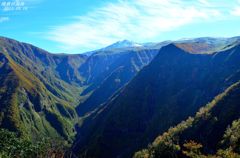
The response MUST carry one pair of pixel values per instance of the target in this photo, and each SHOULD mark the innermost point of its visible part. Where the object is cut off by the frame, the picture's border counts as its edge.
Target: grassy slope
(33, 110)
(54, 71)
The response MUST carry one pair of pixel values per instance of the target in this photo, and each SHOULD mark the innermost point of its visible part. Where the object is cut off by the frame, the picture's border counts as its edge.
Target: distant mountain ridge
(123, 44)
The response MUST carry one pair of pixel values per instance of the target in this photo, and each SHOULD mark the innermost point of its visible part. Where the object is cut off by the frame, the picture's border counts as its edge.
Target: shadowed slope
(172, 87)
(210, 127)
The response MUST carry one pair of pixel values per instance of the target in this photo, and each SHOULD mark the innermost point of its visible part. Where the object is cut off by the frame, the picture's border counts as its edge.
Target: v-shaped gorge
(171, 88)
(39, 91)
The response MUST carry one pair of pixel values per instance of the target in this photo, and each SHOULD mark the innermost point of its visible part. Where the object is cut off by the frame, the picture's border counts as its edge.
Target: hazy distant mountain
(203, 45)
(119, 45)
(207, 44)
(212, 40)
(123, 44)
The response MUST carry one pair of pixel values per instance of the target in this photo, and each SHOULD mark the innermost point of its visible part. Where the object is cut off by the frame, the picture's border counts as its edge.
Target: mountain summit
(123, 44)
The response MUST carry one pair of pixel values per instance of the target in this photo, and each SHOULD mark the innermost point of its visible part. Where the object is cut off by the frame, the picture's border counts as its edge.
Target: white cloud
(205, 2)
(133, 20)
(236, 11)
(4, 19)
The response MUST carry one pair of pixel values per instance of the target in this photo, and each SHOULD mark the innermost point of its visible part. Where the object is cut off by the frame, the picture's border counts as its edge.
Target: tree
(193, 150)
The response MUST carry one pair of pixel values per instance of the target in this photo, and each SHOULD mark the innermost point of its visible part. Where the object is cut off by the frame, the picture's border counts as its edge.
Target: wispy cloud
(4, 19)
(236, 11)
(205, 2)
(134, 20)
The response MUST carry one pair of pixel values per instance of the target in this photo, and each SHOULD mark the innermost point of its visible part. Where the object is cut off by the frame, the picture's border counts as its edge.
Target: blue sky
(64, 26)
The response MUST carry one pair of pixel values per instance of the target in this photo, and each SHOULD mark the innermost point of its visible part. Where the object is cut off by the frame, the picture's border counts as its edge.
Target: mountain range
(172, 87)
(114, 101)
(40, 90)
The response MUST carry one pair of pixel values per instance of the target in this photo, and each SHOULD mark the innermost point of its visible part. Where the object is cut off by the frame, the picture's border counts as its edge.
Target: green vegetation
(11, 145)
(231, 137)
(178, 140)
(25, 95)
(193, 150)
(39, 91)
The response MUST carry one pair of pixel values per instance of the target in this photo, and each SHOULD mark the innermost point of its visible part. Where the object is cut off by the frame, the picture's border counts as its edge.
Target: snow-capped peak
(123, 44)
